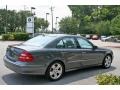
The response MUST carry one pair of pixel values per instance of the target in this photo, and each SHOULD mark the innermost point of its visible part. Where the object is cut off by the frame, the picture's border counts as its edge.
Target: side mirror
(95, 47)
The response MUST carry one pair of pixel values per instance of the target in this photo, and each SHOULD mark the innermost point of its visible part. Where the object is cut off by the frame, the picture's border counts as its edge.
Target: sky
(42, 7)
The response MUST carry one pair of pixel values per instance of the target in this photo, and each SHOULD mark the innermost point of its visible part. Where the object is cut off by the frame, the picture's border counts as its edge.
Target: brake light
(26, 57)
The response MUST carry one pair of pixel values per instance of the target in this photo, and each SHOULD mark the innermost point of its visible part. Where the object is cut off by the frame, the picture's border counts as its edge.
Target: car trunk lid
(28, 47)
(13, 51)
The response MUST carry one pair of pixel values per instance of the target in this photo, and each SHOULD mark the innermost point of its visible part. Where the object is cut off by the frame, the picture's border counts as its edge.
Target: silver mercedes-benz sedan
(53, 54)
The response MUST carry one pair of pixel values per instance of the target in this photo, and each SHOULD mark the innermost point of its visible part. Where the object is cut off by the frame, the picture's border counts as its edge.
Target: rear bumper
(22, 68)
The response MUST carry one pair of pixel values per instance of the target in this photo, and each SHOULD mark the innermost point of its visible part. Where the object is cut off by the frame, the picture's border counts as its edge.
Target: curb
(113, 46)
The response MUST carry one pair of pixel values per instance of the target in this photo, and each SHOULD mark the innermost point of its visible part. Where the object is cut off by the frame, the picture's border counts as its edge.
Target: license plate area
(12, 55)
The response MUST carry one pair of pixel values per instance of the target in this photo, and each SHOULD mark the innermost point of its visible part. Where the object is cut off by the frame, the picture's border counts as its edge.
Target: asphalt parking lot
(78, 77)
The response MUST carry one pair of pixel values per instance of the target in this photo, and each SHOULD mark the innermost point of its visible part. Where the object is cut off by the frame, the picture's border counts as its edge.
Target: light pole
(33, 8)
(6, 20)
(52, 17)
(46, 20)
(56, 22)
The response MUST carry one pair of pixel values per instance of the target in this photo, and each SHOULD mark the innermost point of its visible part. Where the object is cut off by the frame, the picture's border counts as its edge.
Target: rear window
(40, 40)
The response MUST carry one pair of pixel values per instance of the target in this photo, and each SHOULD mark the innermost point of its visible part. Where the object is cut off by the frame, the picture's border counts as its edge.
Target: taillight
(26, 57)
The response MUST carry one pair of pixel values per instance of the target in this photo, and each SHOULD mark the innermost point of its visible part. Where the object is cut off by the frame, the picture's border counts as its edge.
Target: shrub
(118, 37)
(5, 36)
(21, 36)
(15, 36)
(106, 79)
(11, 37)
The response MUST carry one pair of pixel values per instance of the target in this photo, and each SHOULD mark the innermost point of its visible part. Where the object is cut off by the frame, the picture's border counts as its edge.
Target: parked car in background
(53, 54)
(109, 38)
(103, 38)
(95, 37)
(78, 34)
(88, 36)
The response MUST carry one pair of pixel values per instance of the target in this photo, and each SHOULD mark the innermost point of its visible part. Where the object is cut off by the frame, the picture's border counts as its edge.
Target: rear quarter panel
(47, 56)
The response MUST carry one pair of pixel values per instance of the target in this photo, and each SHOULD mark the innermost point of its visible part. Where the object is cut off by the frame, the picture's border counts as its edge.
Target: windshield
(39, 40)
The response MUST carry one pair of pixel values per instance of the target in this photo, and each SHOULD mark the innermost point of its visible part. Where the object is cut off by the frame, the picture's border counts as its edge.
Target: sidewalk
(105, 44)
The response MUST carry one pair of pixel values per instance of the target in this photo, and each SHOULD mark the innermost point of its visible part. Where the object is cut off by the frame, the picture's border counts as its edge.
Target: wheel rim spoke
(56, 76)
(58, 66)
(51, 73)
(60, 71)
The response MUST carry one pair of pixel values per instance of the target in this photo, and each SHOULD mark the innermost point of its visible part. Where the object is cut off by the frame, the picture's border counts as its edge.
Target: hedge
(15, 36)
(108, 79)
(117, 36)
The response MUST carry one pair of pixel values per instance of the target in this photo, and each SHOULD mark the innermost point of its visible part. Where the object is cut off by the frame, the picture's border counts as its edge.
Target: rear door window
(69, 43)
(60, 44)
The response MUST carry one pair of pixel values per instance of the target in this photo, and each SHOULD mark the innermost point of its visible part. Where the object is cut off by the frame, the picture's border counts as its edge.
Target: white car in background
(88, 36)
(103, 38)
(109, 38)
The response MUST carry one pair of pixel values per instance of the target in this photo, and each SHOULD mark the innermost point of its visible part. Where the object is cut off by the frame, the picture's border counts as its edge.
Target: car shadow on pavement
(68, 78)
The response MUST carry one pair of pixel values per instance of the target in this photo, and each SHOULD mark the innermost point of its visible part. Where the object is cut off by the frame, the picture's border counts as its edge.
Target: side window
(60, 44)
(84, 43)
(69, 43)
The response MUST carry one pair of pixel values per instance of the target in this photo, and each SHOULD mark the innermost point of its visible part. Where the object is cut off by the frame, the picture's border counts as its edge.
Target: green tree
(103, 28)
(83, 14)
(21, 16)
(115, 25)
(105, 13)
(16, 21)
(69, 25)
(11, 21)
(40, 23)
(97, 18)
(80, 11)
(2, 20)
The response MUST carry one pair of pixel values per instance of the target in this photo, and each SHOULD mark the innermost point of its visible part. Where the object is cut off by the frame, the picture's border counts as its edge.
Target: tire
(107, 62)
(55, 71)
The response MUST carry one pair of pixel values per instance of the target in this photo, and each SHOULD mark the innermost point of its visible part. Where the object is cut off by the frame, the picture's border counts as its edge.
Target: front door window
(84, 43)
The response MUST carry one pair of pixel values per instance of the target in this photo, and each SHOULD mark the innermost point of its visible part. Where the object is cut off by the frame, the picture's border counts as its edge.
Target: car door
(68, 47)
(89, 56)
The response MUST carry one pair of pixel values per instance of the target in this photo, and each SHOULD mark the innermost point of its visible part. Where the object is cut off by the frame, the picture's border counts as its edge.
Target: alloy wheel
(108, 61)
(56, 71)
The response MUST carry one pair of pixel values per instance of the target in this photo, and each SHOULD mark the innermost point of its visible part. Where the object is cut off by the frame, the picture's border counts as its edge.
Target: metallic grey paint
(71, 58)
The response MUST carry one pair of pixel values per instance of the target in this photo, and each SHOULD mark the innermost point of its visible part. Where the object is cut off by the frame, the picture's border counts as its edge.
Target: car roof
(58, 35)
